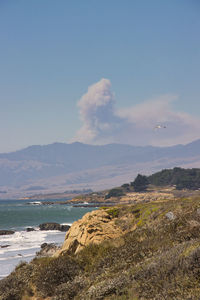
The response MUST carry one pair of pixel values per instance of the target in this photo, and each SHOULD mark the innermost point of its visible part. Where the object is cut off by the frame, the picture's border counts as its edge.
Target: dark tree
(125, 185)
(179, 177)
(140, 183)
(116, 192)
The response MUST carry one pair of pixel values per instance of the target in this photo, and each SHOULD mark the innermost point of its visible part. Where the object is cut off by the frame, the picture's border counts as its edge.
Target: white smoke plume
(102, 123)
(97, 113)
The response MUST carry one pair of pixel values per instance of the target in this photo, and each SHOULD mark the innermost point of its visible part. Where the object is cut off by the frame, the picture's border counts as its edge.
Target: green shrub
(13, 286)
(113, 212)
(170, 276)
(51, 272)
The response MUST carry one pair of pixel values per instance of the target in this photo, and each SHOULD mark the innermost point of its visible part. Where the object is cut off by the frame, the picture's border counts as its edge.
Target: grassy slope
(160, 259)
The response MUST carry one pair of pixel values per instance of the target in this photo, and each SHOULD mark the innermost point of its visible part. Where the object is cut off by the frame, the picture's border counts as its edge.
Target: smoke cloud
(97, 113)
(103, 123)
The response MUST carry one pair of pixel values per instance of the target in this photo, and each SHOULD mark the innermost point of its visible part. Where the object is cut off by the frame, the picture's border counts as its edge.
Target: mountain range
(59, 167)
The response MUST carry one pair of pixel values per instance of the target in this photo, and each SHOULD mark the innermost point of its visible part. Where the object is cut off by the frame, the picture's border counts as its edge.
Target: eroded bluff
(94, 227)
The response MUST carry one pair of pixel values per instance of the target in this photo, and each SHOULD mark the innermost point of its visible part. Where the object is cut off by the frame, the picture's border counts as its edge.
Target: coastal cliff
(138, 251)
(94, 228)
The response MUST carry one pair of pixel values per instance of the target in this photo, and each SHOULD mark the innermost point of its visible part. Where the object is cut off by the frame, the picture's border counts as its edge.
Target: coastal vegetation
(181, 178)
(168, 183)
(156, 255)
(140, 183)
(142, 243)
(178, 177)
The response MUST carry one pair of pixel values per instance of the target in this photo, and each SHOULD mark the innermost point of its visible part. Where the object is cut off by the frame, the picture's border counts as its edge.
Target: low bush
(113, 212)
(13, 286)
(51, 272)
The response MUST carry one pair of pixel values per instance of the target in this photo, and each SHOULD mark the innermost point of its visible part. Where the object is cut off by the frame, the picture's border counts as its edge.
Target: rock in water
(5, 232)
(30, 229)
(4, 246)
(47, 250)
(53, 226)
(64, 227)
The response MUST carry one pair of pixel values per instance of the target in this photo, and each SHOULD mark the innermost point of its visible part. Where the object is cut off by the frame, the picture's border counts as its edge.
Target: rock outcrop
(6, 232)
(54, 226)
(47, 250)
(94, 227)
(28, 229)
(4, 246)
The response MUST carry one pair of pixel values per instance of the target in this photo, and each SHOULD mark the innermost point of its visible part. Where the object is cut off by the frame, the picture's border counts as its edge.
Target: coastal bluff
(138, 251)
(94, 227)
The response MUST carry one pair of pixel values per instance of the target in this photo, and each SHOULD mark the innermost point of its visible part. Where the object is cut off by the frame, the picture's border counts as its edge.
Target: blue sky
(52, 51)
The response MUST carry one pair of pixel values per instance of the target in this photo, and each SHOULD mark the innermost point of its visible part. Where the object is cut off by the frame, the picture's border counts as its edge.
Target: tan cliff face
(94, 227)
(98, 226)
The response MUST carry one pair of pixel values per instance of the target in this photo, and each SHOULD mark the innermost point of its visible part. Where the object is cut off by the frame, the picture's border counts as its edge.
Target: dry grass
(156, 258)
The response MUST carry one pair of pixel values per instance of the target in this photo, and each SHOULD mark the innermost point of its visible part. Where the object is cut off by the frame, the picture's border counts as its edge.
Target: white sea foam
(35, 203)
(22, 240)
(19, 256)
(3, 275)
(23, 246)
(69, 208)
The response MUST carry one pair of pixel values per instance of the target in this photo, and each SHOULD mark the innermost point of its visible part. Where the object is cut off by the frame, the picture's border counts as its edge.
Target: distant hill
(58, 167)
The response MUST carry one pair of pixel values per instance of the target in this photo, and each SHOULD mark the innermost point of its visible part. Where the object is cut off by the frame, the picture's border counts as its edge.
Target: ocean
(17, 215)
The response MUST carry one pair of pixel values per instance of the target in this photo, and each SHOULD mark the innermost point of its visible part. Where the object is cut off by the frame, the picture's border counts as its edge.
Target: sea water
(17, 215)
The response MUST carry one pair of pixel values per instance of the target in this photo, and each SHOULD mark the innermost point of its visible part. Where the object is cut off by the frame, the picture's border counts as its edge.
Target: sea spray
(18, 215)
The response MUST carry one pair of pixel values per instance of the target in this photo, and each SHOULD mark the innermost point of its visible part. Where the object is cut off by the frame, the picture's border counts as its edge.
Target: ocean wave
(67, 207)
(2, 276)
(22, 240)
(19, 256)
(23, 246)
(35, 203)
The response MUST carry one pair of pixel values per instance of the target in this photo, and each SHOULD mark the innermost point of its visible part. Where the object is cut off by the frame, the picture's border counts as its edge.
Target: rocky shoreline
(6, 232)
(43, 226)
(79, 204)
(145, 250)
(75, 203)
(47, 249)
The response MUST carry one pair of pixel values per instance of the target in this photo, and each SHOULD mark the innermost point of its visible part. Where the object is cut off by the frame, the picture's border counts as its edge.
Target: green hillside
(181, 178)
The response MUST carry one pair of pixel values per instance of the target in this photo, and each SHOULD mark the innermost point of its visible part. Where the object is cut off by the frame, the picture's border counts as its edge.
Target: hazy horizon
(87, 144)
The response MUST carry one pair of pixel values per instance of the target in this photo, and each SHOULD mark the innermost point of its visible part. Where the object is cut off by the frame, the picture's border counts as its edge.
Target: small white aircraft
(159, 126)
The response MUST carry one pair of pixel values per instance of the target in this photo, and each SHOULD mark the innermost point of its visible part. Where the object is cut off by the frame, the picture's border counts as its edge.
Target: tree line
(178, 177)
